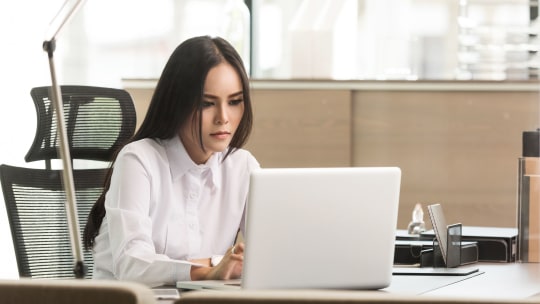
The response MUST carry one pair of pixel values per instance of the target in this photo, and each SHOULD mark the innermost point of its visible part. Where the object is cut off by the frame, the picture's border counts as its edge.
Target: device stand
(444, 255)
(66, 12)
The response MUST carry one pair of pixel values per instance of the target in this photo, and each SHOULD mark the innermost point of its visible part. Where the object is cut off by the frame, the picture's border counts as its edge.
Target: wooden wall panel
(292, 128)
(459, 149)
(299, 128)
(141, 99)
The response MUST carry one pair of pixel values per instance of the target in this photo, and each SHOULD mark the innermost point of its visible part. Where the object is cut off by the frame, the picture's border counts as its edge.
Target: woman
(176, 195)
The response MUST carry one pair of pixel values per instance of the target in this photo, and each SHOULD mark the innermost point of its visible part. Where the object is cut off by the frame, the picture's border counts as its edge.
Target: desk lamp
(67, 10)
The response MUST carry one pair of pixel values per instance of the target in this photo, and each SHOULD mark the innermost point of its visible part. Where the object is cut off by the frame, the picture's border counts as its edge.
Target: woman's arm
(130, 227)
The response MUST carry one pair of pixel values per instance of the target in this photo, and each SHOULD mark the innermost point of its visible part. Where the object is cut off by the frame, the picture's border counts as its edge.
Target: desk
(494, 280)
(505, 281)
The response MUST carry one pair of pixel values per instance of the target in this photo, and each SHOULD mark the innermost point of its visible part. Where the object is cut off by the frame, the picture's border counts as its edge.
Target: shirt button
(193, 195)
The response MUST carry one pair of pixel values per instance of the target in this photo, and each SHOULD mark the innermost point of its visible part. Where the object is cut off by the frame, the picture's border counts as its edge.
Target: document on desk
(422, 284)
(437, 271)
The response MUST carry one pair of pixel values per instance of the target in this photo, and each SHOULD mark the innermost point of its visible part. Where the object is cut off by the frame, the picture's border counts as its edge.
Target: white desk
(493, 282)
(512, 282)
(509, 280)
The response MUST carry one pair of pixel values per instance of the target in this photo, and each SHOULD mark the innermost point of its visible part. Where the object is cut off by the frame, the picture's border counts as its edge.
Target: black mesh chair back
(34, 200)
(98, 121)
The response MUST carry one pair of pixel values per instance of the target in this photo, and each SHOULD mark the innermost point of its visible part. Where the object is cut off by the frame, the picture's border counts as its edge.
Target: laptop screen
(321, 228)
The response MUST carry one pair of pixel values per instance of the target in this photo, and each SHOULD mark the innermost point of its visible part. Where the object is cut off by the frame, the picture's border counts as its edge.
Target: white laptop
(328, 228)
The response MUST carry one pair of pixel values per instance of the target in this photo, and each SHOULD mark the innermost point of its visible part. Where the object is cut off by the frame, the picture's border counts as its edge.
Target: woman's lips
(221, 134)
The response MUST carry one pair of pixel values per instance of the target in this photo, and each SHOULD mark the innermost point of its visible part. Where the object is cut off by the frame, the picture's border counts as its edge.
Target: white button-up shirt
(162, 209)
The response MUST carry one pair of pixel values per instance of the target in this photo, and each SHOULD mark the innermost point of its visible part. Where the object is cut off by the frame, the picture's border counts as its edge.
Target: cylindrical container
(529, 198)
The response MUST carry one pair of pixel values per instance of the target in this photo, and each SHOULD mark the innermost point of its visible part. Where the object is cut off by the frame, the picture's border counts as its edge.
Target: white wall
(23, 65)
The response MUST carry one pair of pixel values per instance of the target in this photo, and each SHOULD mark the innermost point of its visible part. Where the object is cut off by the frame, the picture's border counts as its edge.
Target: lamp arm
(67, 10)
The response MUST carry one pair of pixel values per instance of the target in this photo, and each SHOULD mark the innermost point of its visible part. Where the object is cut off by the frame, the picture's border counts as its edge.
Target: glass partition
(394, 39)
(316, 39)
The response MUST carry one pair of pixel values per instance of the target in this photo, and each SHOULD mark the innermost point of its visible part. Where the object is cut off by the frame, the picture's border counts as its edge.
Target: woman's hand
(205, 262)
(230, 266)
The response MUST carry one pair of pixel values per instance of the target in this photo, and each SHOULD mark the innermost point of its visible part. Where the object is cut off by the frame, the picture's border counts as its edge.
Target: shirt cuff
(215, 259)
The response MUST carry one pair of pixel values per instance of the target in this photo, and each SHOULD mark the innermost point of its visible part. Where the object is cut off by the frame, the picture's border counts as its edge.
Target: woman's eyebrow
(237, 94)
(211, 96)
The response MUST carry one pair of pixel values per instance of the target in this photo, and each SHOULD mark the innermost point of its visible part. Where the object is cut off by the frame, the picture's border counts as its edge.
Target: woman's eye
(207, 104)
(236, 102)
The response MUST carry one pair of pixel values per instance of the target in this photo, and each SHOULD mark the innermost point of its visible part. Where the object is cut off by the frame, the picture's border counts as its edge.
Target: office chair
(98, 121)
(35, 205)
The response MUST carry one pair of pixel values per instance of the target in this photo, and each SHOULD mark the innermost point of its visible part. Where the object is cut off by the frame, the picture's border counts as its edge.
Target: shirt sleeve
(127, 205)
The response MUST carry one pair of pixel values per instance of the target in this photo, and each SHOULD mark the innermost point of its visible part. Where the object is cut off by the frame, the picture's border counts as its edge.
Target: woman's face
(222, 110)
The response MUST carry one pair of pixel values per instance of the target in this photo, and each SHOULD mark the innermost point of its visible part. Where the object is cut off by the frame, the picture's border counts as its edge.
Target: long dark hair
(179, 94)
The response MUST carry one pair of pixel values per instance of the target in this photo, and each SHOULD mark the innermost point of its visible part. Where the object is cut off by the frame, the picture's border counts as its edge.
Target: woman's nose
(222, 116)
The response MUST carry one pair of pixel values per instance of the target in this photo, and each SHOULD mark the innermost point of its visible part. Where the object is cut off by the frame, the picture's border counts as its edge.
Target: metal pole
(66, 12)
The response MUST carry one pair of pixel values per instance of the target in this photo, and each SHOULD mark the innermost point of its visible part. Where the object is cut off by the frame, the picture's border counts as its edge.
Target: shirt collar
(180, 163)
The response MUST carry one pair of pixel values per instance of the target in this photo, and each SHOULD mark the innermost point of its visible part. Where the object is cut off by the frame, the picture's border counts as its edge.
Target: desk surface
(508, 280)
(492, 281)
(501, 280)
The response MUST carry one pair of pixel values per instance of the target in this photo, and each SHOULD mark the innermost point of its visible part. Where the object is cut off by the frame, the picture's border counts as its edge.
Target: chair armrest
(80, 291)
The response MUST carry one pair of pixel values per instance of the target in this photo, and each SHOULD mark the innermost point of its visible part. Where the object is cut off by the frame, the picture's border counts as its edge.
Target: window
(311, 39)
(393, 39)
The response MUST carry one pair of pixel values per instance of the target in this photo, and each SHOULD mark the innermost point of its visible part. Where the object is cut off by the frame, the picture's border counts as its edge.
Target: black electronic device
(495, 244)
(444, 248)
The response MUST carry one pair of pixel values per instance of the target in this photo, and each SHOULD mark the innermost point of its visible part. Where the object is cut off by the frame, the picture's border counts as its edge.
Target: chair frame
(30, 241)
